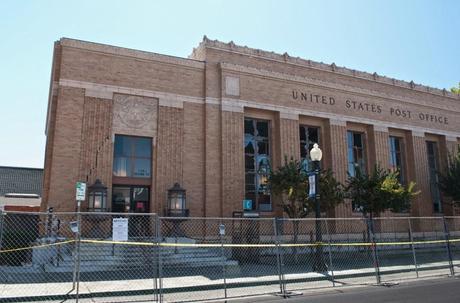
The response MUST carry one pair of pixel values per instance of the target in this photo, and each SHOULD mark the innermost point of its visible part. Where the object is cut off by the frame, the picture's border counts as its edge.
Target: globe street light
(316, 155)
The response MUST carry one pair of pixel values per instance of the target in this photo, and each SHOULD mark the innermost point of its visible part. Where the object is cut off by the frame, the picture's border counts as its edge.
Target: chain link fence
(110, 257)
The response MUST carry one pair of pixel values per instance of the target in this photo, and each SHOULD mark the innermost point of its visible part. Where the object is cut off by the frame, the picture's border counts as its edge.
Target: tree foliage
(456, 90)
(379, 191)
(290, 183)
(450, 181)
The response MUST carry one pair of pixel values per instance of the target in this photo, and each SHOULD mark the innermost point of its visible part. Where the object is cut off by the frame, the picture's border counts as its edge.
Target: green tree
(449, 182)
(379, 191)
(456, 90)
(290, 184)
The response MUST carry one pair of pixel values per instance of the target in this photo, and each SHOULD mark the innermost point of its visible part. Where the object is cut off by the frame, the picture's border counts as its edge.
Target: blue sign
(312, 184)
(247, 204)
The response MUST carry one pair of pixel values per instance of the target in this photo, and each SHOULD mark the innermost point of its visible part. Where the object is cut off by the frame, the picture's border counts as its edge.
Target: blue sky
(408, 40)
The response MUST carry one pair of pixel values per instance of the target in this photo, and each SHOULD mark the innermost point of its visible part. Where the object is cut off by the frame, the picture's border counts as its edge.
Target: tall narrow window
(257, 163)
(397, 157)
(308, 137)
(433, 165)
(356, 152)
(132, 157)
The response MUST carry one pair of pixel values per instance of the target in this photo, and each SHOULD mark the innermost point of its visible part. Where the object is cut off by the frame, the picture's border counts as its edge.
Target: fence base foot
(289, 294)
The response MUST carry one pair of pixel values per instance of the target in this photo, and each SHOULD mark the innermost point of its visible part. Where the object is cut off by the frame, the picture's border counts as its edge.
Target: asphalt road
(426, 291)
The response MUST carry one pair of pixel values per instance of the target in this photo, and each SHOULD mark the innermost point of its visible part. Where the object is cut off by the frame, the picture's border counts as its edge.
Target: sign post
(80, 195)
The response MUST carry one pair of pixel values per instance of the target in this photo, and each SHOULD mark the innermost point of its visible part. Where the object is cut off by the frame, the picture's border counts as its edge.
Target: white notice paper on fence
(120, 229)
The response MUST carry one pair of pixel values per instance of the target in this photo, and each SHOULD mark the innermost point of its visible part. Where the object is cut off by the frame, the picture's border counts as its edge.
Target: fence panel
(394, 249)
(254, 253)
(305, 259)
(352, 254)
(141, 257)
(118, 257)
(191, 259)
(37, 256)
(453, 225)
(430, 246)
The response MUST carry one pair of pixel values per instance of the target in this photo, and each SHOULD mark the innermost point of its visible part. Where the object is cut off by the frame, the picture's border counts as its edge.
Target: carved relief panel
(135, 115)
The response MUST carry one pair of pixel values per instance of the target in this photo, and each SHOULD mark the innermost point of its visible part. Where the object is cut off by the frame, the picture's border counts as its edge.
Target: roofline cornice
(332, 68)
(333, 86)
(128, 52)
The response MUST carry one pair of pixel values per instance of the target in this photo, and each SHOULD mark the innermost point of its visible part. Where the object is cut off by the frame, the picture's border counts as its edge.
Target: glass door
(130, 199)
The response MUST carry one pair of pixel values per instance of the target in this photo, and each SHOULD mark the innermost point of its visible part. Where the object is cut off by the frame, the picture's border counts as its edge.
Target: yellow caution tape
(36, 246)
(204, 245)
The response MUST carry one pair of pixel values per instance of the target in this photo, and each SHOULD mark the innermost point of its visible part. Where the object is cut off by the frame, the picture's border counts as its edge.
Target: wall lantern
(176, 202)
(97, 197)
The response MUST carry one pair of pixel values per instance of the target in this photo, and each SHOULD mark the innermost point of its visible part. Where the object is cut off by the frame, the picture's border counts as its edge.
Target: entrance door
(130, 199)
(133, 199)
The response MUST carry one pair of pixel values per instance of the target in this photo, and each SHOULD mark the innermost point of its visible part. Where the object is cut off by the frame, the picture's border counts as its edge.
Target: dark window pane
(303, 151)
(122, 167)
(397, 146)
(313, 135)
(249, 145)
(141, 194)
(132, 157)
(264, 202)
(248, 126)
(262, 129)
(249, 163)
(302, 133)
(122, 146)
(250, 179)
(142, 147)
(141, 168)
(262, 148)
(121, 198)
(357, 140)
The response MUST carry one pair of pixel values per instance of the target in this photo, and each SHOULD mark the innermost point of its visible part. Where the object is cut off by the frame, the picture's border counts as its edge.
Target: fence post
(411, 239)
(78, 253)
(155, 255)
(160, 273)
(449, 252)
(224, 259)
(278, 258)
(1, 227)
(330, 252)
(370, 227)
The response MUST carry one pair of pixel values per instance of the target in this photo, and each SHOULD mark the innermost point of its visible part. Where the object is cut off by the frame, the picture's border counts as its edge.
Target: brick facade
(194, 109)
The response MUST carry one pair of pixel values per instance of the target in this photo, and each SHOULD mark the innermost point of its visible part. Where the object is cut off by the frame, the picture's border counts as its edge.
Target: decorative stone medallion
(135, 114)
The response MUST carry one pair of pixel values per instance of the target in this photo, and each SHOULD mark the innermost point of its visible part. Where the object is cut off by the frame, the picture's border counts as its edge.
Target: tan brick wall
(290, 140)
(169, 154)
(66, 149)
(338, 160)
(194, 158)
(213, 205)
(198, 138)
(422, 204)
(382, 148)
(232, 162)
(89, 66)
(96, 143)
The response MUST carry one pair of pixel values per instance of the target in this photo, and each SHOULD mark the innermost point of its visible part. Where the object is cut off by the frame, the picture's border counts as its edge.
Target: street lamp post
(315, 155)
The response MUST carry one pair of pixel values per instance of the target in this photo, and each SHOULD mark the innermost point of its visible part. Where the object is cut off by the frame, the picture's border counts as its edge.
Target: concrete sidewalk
(200, 287)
